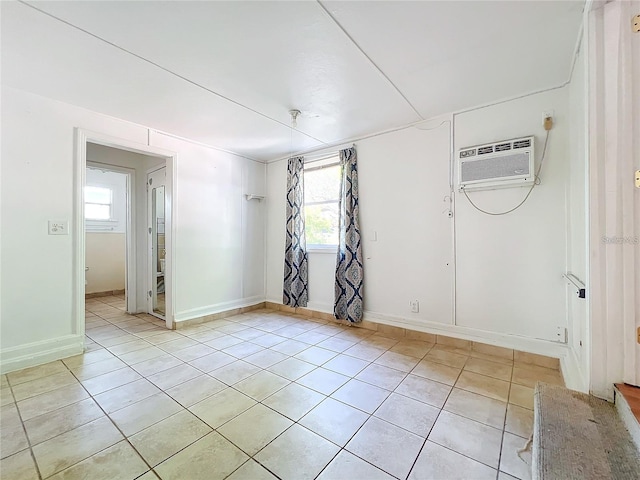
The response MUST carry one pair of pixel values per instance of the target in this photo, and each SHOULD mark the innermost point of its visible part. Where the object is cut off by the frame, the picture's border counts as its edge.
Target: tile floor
(264, 395)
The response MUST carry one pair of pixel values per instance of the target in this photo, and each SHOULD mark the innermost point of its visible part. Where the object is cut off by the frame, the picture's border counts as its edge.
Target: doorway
(135, 161)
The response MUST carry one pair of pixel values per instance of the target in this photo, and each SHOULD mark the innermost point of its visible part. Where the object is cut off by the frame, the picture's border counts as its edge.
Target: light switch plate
(637, 178)
(58, 227)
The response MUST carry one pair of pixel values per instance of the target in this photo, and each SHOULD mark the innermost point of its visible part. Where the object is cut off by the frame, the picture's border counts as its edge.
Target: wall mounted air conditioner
(509, 163)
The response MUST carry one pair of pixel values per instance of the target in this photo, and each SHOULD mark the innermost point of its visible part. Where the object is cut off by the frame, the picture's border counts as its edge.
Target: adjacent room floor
(265, 395)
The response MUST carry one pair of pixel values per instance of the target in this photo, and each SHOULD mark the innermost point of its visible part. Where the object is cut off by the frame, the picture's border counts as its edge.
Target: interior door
(156, 227)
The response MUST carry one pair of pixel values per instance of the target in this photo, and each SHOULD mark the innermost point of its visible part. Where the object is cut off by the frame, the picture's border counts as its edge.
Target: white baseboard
(217, 308)
(37, 353)
(573, 375)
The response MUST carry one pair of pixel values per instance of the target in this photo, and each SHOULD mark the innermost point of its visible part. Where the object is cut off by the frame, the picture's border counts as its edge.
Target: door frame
(82, 136)
(130, 232)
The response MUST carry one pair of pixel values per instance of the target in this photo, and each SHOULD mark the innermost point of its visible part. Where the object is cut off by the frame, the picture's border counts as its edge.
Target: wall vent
(509, 163)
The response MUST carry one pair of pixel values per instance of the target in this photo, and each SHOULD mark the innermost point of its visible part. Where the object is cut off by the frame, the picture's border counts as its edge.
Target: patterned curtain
(349, 272)
(295, 291)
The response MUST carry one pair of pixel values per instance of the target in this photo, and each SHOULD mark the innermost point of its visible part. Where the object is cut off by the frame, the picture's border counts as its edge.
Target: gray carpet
(581, 437)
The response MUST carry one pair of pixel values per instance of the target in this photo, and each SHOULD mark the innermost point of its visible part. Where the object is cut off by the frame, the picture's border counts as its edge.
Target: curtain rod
(317, 157)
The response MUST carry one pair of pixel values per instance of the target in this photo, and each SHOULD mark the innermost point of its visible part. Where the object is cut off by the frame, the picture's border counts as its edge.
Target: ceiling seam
(181, 77)
(375, 65)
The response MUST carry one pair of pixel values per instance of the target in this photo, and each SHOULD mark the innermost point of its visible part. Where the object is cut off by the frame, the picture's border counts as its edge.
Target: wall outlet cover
(58, 227)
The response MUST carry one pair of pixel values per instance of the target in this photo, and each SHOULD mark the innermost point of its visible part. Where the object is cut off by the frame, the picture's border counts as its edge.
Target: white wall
(508, 285)
(38, 155)
(105, 255)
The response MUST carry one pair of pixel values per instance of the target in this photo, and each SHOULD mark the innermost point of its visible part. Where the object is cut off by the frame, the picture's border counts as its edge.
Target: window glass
(97, 204)
(96, 211)
(97, 195)
(321, 193)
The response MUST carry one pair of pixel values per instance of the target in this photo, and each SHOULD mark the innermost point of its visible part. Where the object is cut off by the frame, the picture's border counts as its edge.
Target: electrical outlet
(415, 306)
(58, 227)
(546, 114)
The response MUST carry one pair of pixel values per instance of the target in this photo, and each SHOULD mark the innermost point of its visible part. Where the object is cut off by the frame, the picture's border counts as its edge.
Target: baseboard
(37, 353)
(107, 293)
(572, 373)
(219, 310)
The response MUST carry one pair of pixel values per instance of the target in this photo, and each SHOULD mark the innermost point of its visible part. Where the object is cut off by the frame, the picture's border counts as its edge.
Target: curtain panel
(295, 288)
(349, 271)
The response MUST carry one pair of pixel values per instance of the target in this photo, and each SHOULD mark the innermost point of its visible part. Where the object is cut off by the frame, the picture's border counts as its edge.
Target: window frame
(332, 160)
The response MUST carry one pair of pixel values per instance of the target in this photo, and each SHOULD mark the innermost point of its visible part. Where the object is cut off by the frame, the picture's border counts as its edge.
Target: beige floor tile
(145, 413)
(490, 369)
(347, 466)
(110, 380)
(166, 438)
(381, 376)
(178, 344)
(468, 437)
(6, 396)
(268, 340)
(410, 414)
(208, 335)
(412, 348)
(156, 365)
(364, 351)
(519, 421)
(294, 401)
(3, 381)
(251, 470)
(34, 373)
(235, 372)
(261, 385)
(446, 357)
(384, 341)
(311, 337)
(128, 347)
(361, 395)
(141, 355)
(398, 361)
(164, 337)
(44, 427)
(47, 402)
(248, 334)
(476, 407)
(88, 358)
(221, 343)
(292, 368)
(528, 377)
(195, 390)
(194, 352)
(532, 358)
(116, 341)
(289, 456)
(71, 447)
(505, 476)
(43, 385)
(222, 407)
(254, 429)
(118, 462)
(211, 362)
(148, 476)
(483, 385)
(323, 380)
(437, 462)
(316, 355)
(483, 348)
(19, 467)
(232, 328)
(211, 457)
(85, 372)
(243, 350)
(510, 462)
(12, 436)
(437, 372)
(424, 390)
(337, 344)
(265, 358)
(125, 395)
(346, 365)
(386, 446)
(290, 347)
(334, 421)
(174, 376)
(521, 396)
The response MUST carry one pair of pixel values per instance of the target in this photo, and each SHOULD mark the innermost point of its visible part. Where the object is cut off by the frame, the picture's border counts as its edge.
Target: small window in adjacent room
(98, 203)
(321, 194)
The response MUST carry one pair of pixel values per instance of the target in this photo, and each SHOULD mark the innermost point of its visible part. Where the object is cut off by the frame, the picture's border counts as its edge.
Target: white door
(156, 208)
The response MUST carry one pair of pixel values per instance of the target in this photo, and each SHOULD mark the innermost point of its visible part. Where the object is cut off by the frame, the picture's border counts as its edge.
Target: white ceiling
(227, 73)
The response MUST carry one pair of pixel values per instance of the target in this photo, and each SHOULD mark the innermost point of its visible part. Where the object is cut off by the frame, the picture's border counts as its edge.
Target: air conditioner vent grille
(522, 144)
(503, 147)
(485, 150)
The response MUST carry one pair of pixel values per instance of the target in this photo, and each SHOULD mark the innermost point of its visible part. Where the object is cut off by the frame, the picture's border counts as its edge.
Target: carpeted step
(581, 437)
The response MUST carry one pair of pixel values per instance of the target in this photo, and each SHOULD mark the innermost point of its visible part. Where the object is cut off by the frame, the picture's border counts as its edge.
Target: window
(321, 195)
(97, 203)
